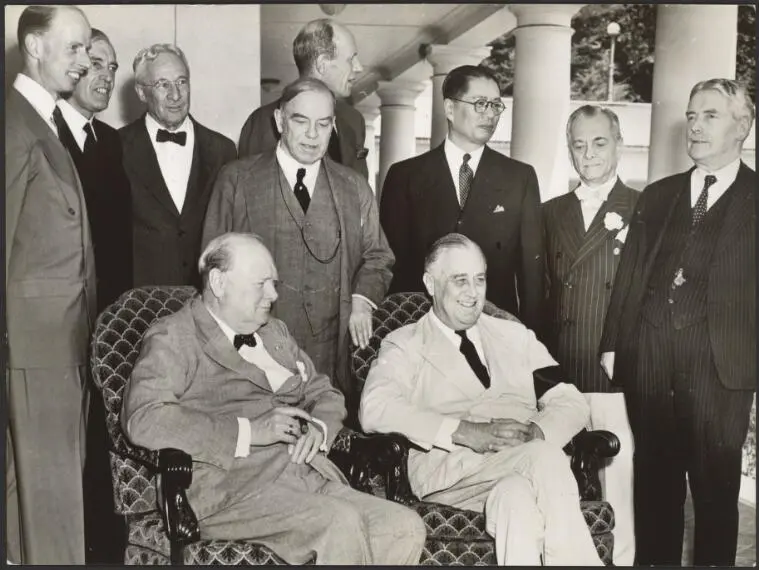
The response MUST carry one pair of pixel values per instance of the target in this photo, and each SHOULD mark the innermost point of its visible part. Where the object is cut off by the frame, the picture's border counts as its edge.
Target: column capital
(399, 93)
(545, 14)
(369, 109)
(445, 58)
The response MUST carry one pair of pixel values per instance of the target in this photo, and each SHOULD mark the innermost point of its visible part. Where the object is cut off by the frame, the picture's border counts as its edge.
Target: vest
(307, 250)
(690, 249)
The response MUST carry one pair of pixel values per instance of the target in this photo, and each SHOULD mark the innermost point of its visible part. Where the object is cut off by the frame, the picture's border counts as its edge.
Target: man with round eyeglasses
(171, 161)
(465, 186)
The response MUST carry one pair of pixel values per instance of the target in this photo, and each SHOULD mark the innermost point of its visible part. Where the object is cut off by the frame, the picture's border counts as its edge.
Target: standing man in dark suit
(327, 51)
(585, 234)
(50, 296)
(171, 161)
(680, 334)
(466, 187)
(320, 221)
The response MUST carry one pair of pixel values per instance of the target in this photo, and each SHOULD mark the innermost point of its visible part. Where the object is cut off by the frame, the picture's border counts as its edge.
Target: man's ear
(448, 108)
(429, 283)
(744, 127)
(33, 45)
(140, 90)
(320, 66)
(279, 120)
(216, 281)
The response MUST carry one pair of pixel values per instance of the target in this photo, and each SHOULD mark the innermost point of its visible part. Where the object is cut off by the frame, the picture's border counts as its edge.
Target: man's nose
(271, 292)
(357, 67)
(173, 93)
(83, 59)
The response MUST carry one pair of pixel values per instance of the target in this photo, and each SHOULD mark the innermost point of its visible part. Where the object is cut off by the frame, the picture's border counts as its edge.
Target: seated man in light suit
(488, 440)
(226, 383)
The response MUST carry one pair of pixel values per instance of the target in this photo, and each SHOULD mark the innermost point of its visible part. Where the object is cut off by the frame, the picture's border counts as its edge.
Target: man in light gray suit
(320, 221)
(223, 382)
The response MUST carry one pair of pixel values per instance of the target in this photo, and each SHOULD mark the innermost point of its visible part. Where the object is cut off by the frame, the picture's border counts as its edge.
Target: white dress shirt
(290, 168)
(725, 178)
(455, 158)
(76, 122)
(38, 97)
(174, 160)
(593, 197)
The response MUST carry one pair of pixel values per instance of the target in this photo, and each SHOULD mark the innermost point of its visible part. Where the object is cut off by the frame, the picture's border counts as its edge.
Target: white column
(693, 43)
(542, 92)
(398, 126)
(444, 59)
(370, 111)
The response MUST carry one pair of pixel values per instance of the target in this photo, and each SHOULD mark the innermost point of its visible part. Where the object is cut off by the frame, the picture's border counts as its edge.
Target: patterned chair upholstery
(456, 536)
(149, 486)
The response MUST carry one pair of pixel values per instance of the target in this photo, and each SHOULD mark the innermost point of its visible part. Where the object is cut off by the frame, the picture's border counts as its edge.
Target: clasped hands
(495, 435)
(288, 425)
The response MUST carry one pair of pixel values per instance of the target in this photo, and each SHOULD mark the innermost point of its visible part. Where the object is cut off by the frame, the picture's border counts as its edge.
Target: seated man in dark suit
(324, 50)
(96, 150)
(226, 383)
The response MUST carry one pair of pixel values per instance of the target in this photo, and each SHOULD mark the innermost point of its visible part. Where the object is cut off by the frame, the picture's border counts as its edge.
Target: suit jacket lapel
(199, 172)
(442, 189)
(570, 228)
(147, 169)
(485, 180)
(739, 211)
(345, 135)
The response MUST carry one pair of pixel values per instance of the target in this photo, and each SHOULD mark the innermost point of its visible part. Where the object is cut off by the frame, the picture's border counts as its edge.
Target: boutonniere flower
(613, 221)
(302, 371)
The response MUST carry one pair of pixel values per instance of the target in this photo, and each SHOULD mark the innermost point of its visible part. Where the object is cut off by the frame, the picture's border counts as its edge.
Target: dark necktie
(699, 210)
(465, 179)
(334, 147)
(301, 192)
(470, 353)
(60, 123)
(166, 136)
(244, 339)
(89, 141)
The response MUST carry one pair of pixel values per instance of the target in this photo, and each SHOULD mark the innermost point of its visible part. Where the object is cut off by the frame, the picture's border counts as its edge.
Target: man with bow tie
(320, 221)
(172, 162)
(459, 384)
(680, 333)
(585, 233)
(226, 383)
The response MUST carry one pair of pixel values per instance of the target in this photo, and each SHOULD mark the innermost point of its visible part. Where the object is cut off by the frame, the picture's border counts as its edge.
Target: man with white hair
(460, 385)
(680, 333)
(172, 162)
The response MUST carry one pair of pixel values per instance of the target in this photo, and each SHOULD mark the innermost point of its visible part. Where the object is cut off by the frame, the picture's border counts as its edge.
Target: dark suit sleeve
(17, 164)
(373, 276)
(531, 278)
(223, 214)
(122, 216)
(395, 217)
(255, 136)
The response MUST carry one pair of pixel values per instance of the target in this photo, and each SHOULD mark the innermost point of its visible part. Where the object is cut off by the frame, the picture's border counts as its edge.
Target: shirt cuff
(243, 438)
(323, 447)
(371, 303)
(444, 437)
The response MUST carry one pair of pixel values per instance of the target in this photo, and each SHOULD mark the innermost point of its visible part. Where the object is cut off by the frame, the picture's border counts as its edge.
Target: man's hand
(493, 436)
(307, 446)
(360, 323)
(607, 363)
(277, 425)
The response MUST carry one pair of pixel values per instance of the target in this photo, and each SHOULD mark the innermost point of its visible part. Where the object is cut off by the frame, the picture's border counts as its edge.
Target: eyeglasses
(482, 105)
(164, 84)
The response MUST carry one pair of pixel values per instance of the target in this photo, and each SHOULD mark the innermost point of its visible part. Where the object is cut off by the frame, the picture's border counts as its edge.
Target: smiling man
(172, 162)
(459, 384)
(680, 333)
(319, 219)
(465, 186)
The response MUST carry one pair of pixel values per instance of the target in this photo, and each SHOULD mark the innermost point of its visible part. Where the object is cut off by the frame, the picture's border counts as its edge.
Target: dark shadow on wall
(132, 107)
(13, 64)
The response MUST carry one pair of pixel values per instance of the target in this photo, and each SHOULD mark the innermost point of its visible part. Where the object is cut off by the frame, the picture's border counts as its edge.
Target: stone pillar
(693, 43)
(445, 58)
(370, 112)
(398, 124)
(542, 92)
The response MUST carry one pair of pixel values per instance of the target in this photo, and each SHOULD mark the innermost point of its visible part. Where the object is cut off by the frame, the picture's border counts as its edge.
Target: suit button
(671, 301)
(72, 211)
(458, 223)
(608, 284)
(568, 285)
(181, 233)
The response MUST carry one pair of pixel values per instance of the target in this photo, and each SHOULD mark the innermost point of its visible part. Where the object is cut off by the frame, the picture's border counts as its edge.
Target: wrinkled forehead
(313, 105)
(482, 88)
(461, 260)
(102, 48)
(593, 126)
(166, 66)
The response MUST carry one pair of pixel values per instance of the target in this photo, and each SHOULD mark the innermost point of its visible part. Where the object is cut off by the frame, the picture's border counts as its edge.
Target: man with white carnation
(585, 234)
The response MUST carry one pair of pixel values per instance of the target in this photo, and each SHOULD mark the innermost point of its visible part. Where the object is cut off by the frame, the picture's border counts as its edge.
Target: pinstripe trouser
(685, 421)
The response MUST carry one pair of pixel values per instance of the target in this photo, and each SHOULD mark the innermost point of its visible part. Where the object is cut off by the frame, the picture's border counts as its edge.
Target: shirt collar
(725, 175)
(455, 155)
(225, 328)
(38, 97)
(152, 125)
(472, 332)
(600, 192)
(73, 117)
(290, 166)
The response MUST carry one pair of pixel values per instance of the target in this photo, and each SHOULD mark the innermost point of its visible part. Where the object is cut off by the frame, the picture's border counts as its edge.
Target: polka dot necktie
(699, 210)
(465, 179)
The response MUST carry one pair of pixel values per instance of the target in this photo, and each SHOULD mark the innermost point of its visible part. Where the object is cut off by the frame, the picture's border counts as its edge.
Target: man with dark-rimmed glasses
(466, 187)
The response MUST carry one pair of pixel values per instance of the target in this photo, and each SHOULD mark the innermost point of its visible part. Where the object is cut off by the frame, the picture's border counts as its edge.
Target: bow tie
(244, 339)
(179, 138)
(587, 194)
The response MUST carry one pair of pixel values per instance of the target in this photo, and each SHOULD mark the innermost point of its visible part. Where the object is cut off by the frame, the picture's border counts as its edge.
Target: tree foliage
(634, 52)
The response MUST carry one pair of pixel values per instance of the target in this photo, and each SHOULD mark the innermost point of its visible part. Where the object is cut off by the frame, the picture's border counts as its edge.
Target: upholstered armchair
(149, 486)
(455, 536)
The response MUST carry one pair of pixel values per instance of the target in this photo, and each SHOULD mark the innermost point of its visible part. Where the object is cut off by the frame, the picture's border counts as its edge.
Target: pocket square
(498, 209)
(362, 153)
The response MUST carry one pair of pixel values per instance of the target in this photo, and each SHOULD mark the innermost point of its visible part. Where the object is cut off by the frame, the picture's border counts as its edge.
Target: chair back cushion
(395, 311)
(116, 344)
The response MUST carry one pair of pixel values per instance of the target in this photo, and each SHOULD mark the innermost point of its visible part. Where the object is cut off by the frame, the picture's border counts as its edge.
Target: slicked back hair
(456, 83)
(314, 39)
(34, 20)
(449, 241)
(739, 100)
(218, 253)
(303, 85)
(589, 111)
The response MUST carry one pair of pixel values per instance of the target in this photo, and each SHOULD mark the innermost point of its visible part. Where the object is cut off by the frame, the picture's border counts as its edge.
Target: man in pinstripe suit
(585, 232)
(680, 333)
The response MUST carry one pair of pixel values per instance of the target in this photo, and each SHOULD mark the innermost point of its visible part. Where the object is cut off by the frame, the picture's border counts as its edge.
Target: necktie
(699, 210)
(470, 353)
(334, 147)
(465, 179)
(89, 141)
(58, 120)
(301, 192)
(179, 138)
(244, 339)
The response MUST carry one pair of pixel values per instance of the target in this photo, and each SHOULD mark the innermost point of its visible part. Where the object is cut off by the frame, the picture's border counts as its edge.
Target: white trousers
(608, 412)
(531, 504)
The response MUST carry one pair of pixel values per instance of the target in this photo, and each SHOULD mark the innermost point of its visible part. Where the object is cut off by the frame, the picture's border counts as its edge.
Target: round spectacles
(482, 105)
(164, 84)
